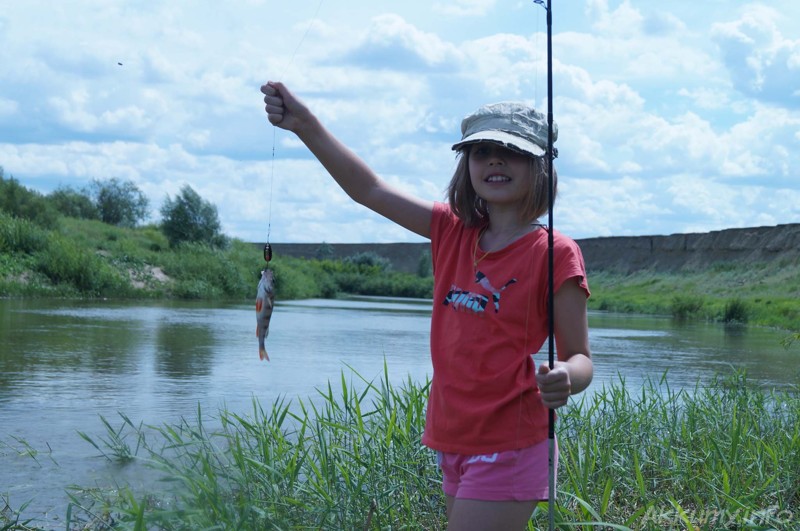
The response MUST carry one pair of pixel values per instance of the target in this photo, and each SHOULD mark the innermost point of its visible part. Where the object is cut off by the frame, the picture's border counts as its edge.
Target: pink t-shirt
(486, 323)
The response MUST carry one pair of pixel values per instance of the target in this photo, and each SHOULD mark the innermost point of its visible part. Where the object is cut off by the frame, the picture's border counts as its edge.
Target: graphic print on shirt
(469, 301)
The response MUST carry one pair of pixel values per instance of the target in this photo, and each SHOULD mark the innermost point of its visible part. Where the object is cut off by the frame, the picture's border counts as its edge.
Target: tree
(369, 259)
(424, 265)
(119, 202)
(190, 218)
(73, 204)
(23, 203)
(324, 252)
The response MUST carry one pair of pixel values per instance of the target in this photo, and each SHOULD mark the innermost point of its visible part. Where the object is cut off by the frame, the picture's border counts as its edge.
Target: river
(67, 363)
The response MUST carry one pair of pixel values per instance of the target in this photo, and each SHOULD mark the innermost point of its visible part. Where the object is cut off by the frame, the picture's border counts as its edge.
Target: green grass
(88, 258)
(762, 295)
(720, 456)
(335, 461)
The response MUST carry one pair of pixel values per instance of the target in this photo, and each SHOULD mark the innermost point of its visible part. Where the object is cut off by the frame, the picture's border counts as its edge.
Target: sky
(673, 117)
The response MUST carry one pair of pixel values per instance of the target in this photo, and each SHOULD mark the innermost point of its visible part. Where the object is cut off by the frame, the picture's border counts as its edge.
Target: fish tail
(262, 354)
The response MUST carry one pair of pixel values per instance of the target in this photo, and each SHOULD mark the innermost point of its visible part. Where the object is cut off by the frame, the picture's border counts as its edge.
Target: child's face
(498, 174)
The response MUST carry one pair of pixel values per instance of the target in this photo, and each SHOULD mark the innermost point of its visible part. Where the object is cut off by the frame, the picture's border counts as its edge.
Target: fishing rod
(551, 155)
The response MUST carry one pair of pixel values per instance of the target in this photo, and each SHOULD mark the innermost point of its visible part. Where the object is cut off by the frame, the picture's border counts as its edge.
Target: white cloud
(761, 61)
(622, 21)
(659, 106)
(705, 98)
(464, 8)
(74, 111)
(504, 64)
(393, 44)
(609, 208)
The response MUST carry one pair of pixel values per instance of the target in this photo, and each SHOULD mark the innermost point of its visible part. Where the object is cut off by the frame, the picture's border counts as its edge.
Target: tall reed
(348, 456)
(722, 455)
(655, 458)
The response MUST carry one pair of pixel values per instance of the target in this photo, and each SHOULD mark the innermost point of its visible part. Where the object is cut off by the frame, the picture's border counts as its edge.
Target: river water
(64, 364)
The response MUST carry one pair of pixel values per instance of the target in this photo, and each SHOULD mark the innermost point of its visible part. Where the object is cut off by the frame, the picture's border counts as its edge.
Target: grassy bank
(761, 294)
(88, 258)
(725, 456)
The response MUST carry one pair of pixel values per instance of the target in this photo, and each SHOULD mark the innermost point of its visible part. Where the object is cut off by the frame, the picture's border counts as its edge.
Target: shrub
(189, 218)
(397, 285)
(736, 311)
(203, 271)
(301, 279)
(119, 202)
(685, 306)
(64, 262)
(20, 202)
(20, 235)
(425, 266)
(369, 260)
(74, 204)
(324, 252)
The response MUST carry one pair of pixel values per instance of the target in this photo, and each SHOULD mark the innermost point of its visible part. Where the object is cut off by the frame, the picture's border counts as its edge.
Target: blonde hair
(474, 212)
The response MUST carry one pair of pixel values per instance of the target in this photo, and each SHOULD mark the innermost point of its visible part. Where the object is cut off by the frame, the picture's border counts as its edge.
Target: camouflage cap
(510, 124)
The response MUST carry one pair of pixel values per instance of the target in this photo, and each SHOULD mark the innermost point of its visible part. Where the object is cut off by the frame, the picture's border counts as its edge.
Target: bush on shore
(109, 261)
(89, 258)
(725, 295)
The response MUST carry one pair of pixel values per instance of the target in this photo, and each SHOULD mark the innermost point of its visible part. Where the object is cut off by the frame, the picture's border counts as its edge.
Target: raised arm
(350, 171)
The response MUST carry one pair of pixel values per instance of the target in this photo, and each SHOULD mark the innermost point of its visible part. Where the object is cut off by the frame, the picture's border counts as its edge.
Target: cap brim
(504, 139)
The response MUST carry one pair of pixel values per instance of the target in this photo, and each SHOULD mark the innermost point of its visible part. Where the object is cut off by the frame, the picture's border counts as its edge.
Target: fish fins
(262, 354)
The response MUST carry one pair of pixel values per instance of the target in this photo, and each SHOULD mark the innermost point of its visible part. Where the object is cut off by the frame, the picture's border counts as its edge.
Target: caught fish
(265, 300)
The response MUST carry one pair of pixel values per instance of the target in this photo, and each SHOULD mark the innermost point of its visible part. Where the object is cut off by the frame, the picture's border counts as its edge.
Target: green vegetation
(89, 258)
(118, 202)
(20, 202)
(190, 218)
(56, 245)
(767, 295)
(725, 456)
(74, 204)
(78, 254)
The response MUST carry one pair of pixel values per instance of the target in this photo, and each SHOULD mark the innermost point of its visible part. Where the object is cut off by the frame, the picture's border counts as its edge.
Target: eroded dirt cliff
(693, 251)
(625, 254)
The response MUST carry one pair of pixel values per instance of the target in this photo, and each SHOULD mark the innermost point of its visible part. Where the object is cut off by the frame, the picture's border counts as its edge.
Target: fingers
(274, 112)
(272, 88)
(554, 386)
(283, 108)
(273, 101)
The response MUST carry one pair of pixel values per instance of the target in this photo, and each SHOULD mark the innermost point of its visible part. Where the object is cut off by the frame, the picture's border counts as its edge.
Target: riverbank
(721, 456)
(85, 258)
(749, 246)
(91, 259)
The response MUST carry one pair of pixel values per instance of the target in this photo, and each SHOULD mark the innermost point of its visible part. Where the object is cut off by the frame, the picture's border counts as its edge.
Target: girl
(487, 412)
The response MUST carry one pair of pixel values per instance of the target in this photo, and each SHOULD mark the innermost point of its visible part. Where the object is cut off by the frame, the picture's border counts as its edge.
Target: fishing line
(551, 154)
(267, 245)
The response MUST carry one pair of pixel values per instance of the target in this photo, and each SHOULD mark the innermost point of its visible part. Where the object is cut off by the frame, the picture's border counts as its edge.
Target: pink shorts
(515, 475)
